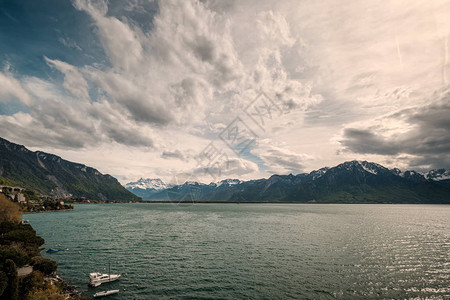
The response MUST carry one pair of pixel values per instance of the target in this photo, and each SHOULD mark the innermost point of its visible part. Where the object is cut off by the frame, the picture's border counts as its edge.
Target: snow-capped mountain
(350, 182)
(398, 172)
(146, 187)
(228, 182)
(147, 183)
(438, 175)
(369, 167)
(414, 176)
(318, 173)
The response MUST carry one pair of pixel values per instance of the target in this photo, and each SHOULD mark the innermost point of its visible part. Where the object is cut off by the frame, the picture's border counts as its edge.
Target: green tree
(23, 235)
(44, 265)
(18, 256)
(3, 282)
(11, 291)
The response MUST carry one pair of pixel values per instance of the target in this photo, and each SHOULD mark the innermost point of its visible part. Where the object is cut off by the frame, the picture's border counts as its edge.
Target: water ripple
(255, 251)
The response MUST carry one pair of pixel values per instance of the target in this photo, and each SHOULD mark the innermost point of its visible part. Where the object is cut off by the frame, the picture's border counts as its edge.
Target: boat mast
(109, 271)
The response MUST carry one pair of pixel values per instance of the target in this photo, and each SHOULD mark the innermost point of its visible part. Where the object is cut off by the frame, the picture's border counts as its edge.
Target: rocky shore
(69, 292)
(24, 273)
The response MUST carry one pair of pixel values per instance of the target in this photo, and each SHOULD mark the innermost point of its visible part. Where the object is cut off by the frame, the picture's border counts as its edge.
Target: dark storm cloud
(427, 140)
(365, 141)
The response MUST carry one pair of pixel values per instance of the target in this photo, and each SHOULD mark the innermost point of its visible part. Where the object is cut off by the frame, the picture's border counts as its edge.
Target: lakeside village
(34, 202)
(30, 201)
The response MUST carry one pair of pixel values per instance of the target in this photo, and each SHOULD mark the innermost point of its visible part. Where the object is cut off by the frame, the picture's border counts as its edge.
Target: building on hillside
(20, 198)
(11, 189)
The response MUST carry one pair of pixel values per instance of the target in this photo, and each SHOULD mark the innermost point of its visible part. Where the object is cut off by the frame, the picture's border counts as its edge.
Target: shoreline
(263, 202)
(68, 290)
(65, 289)
(46, 211)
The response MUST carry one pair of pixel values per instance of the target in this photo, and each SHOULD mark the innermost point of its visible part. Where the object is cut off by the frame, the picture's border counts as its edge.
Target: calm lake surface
(254, 251)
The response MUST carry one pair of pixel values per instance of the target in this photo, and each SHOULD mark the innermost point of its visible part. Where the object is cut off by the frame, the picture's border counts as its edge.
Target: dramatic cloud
(193, 61)
(163, 79)
(423, 135)
(73, 80)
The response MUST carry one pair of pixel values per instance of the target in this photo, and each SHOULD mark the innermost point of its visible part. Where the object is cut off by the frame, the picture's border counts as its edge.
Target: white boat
(105, 293)
(95, 279)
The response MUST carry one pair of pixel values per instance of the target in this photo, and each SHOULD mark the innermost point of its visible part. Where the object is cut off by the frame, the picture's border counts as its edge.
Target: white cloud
(193, 60)
(167, 91)
(280, 160)
(12, 88)
(69, 43)
(226, 168)
(74, 82)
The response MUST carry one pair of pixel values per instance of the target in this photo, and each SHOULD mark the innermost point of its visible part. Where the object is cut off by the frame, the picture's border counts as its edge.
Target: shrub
(48, 293)
(34, 280)
(44, 265)
(3, 282)
(11, 291)
(25, 236)
(18, 256)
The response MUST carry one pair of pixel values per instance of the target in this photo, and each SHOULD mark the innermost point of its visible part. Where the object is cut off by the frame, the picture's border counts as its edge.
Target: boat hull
(96, 281)
(105, 293)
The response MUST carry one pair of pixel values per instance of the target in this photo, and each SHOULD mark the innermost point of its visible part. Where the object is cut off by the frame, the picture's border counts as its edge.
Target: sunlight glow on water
(230, 251)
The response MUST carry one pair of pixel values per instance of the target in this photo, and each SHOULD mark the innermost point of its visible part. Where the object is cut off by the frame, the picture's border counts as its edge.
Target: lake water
(254, 251)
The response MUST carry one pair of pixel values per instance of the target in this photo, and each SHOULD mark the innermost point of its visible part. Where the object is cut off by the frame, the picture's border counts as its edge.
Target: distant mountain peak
(318, 173)
(414, 176)
(438, 175)
(228, 182)
(12, 146)
(155, 184)
(369, 167)
(353, 181)
(397, 171)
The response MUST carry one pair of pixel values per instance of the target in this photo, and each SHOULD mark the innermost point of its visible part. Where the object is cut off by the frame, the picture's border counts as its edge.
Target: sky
(207, 90)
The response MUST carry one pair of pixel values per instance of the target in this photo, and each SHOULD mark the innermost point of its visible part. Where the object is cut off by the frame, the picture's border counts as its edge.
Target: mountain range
(49, 174)
(349, 182)
(146, 188)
